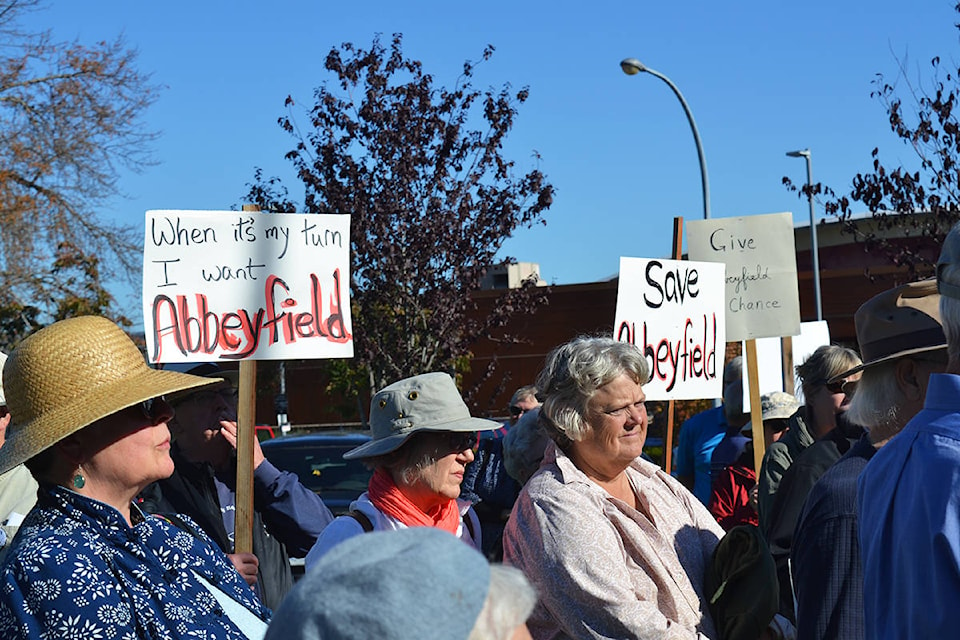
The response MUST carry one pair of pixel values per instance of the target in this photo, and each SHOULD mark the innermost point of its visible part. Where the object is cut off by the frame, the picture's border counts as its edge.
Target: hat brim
(32, 437)
(391, 443)
(747, 429)
(902, 354)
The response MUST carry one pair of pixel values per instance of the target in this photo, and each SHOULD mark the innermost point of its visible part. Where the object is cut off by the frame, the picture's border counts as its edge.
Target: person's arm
(294, 514)
(827, 578)
(775, 463)
(574, 557)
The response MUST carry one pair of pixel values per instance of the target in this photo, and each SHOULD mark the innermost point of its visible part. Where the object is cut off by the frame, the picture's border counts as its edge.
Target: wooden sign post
(240, 287)
(762, 300)
(672, 310)
(246, 432)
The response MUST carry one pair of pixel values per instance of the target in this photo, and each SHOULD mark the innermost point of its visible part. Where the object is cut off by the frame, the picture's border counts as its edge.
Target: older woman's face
(617, 421)
(129, 449)
(439, 481)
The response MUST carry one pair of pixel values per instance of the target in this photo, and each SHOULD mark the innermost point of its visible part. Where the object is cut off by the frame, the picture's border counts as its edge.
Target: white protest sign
(770, 358)
(762, 300)
(236, 285)
(673, 311)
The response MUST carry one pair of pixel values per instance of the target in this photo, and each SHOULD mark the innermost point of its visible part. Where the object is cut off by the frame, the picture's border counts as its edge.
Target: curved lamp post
(631, 67)
(805, 153)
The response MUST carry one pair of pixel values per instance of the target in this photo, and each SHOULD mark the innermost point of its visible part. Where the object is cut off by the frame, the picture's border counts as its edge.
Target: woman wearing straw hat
(423, 439)
(90, 423)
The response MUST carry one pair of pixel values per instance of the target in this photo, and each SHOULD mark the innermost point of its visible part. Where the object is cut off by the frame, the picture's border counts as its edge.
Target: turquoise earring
(78, 479)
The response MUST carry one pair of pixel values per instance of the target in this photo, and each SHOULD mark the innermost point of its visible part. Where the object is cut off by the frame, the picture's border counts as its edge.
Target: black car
(317, 459)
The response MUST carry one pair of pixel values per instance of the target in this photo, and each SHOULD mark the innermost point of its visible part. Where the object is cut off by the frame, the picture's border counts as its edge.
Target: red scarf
(387, 497)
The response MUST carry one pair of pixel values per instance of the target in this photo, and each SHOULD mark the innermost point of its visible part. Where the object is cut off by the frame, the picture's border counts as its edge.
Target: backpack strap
(468, 523)
(367, 526)
(360, 517)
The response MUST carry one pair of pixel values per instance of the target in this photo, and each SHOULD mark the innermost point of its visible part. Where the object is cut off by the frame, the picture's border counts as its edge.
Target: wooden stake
(756, 414)
(668, 439)
(246, 432)
(786, 349)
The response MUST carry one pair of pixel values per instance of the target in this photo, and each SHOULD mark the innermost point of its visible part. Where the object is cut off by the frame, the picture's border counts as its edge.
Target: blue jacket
(910, 523)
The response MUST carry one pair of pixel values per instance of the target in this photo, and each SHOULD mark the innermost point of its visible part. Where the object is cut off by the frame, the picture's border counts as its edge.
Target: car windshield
(322, 469)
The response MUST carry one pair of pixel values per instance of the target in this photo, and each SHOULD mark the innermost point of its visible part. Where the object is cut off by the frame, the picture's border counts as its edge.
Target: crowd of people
(118, 499)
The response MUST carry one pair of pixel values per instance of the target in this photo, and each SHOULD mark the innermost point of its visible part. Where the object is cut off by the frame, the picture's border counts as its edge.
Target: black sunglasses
(516, 411)
(848, 387)
(461, 441)
(151, 408)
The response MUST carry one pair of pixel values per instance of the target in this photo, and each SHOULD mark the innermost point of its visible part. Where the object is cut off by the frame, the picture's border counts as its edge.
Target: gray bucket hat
(776, 405)
(419, 583)
(428, 402)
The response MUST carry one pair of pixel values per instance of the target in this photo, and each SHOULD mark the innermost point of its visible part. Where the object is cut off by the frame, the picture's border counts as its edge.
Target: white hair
(510, 600)
(876, 405)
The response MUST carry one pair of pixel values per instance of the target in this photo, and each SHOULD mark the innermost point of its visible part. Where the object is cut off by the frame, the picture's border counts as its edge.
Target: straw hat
(71, 374)
(428, 402)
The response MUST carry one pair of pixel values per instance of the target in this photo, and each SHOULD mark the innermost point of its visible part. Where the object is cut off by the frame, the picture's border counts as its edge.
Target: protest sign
(762, 298)
(673, 311)
(246, 285)
(770, 358)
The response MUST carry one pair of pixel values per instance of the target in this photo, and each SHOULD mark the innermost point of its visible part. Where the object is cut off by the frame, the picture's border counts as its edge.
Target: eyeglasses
(517, 411)
(848, 387)
(153, 407)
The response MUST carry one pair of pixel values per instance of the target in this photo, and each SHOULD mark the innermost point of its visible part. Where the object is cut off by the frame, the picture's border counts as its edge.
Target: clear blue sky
(761, 78)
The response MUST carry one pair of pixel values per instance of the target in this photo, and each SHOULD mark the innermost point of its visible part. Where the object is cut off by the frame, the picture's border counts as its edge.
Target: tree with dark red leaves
(420, 169)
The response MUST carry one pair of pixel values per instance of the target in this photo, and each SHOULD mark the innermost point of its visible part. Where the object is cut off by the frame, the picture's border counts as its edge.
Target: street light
(805, 153)
(631, 67)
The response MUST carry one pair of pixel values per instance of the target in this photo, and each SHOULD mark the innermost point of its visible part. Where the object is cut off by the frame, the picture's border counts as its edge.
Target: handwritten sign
(241, 285)
(762, 300)
(673, 311)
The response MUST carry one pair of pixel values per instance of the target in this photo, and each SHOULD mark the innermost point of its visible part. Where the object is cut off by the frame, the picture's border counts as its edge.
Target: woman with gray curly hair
(615, 547)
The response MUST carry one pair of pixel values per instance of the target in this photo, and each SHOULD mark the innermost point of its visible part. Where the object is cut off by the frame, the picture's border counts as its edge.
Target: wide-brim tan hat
(898, 322)
(69, 375)
(428, 402)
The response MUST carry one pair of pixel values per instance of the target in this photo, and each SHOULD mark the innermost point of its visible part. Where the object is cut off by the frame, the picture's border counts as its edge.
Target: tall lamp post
(805, 153)
(631, 67)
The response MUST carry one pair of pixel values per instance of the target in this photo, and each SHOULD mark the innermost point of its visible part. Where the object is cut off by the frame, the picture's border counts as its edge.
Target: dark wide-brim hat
(70, 374)
(899, 322)
(428, 402)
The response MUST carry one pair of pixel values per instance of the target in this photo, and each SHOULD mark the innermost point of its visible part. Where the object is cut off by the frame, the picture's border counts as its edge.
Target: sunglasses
(848, 387)
(461, 441)
(516, 411)
(153, 408)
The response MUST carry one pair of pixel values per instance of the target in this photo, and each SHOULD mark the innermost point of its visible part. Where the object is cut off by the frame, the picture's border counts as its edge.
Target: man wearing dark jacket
(288, 517)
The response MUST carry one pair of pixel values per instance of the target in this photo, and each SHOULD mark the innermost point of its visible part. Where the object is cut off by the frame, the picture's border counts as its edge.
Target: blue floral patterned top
(76, 569)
